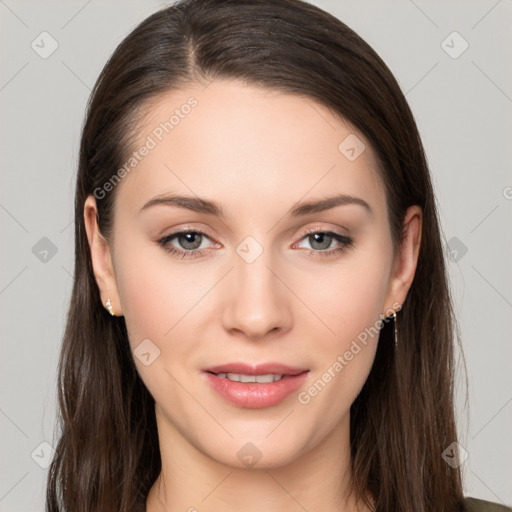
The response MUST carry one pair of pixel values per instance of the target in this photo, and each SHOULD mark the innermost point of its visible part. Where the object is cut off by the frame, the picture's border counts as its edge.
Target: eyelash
(345, 241)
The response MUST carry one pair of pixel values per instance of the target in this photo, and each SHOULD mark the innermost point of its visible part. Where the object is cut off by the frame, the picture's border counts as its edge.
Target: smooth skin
(257, 153)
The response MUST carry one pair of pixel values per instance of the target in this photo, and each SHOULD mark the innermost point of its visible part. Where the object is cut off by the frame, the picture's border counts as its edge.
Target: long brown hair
(108, 453)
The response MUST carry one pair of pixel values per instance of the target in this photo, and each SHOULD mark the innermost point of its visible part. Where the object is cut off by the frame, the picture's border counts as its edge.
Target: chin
(255, 454)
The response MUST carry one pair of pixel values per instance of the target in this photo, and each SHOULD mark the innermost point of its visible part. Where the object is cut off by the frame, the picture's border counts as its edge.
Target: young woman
(260, 317)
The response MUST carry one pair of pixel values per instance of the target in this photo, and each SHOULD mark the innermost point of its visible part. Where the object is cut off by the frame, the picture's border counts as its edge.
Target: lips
(255, 395)
(260, 369)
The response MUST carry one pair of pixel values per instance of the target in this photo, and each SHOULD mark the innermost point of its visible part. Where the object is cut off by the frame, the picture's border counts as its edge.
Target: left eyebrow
(321, 205)
(206, 206)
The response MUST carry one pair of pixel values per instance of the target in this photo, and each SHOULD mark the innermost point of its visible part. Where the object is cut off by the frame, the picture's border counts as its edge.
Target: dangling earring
(396, 333)
(108, 305)
(393, 317)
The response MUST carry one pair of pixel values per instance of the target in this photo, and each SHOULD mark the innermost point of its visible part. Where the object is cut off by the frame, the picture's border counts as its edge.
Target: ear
(406, 260)
(101, 258)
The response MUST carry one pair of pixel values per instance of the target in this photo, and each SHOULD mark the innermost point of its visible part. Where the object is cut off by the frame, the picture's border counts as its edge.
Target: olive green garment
(474, 505)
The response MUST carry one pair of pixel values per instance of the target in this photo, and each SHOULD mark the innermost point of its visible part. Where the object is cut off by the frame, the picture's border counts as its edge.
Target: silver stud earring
(108, 305)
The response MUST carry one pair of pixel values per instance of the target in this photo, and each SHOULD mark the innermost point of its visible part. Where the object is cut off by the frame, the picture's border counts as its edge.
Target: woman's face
(251, 285)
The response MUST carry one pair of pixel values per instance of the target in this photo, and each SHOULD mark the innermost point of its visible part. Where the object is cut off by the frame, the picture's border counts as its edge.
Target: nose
(257, 303)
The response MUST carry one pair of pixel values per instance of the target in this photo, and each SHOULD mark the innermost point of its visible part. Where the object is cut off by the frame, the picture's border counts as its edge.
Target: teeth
(262, 379)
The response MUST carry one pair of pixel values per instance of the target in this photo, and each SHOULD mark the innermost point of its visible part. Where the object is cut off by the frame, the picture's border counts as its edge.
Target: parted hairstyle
(107, 454)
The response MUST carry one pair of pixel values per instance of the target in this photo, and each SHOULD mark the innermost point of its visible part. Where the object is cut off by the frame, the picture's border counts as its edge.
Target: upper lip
(258, 369)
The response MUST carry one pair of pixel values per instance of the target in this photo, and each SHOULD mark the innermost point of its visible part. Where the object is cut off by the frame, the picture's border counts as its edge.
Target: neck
(192, 481)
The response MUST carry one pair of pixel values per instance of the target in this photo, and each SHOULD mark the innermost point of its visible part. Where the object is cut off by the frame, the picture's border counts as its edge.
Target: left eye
(320, 242)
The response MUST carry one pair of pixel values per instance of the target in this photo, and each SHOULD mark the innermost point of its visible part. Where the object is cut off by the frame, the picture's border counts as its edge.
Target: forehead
(247, 145)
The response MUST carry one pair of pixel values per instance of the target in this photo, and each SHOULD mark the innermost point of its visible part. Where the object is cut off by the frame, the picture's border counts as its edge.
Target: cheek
(155, 292)
(153, 302)
(329, 394)
(343, 361)
(346, 297)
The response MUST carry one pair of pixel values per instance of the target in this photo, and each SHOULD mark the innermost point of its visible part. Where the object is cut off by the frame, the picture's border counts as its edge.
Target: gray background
(463, 108)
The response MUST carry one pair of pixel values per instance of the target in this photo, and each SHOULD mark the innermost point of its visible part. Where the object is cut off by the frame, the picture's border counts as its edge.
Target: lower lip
(255, 395)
